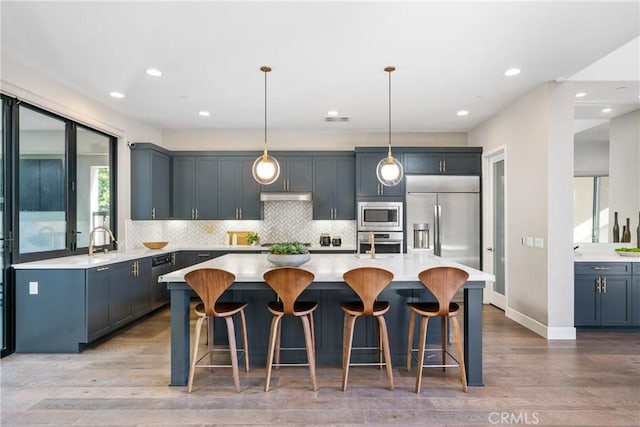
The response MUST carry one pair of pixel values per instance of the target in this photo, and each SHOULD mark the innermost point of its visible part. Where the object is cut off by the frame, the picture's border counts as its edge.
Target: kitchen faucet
(99, 227)
(372, 242)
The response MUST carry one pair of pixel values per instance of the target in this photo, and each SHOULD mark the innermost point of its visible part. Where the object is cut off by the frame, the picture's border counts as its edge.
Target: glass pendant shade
(389, 171)
(266, 169)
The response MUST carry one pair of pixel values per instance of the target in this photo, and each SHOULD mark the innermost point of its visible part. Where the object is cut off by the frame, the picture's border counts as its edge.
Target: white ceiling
(325, 56)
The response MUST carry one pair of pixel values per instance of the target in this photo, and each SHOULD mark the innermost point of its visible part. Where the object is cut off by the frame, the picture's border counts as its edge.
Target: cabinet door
(423, 163)
(140, 184)
(97, 302)
(229, 187)
(250, 205)
(367, 184)
(586, 301)
(184, 169)
(635, 293)
(325, 187)
(160, 185)
(345, 208)
(120, 294)
(461, 163)
(615, 301)
(141, 286)
(299, 174)
(206, 187)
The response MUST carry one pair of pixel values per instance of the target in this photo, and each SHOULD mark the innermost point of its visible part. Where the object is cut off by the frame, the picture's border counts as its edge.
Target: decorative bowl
(294, 260)
(155, 245)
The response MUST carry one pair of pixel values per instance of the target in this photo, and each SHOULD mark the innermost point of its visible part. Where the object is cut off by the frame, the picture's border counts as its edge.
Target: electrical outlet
(33, 288)
(538, 242)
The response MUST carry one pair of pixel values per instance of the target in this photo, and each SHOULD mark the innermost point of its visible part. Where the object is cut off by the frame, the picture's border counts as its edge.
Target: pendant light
(389, 170)
(266, 169)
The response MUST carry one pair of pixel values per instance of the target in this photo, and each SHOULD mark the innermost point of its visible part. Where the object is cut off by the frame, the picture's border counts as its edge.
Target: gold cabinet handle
(196, 213)
(602, 268)
(599, 284)
(604, 285)
(153, 212)
(102, 268)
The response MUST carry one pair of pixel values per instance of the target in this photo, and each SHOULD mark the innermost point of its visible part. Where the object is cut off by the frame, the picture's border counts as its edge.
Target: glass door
(6, 235)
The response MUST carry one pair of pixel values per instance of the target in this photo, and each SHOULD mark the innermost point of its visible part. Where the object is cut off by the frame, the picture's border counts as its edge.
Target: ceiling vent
(336, 119)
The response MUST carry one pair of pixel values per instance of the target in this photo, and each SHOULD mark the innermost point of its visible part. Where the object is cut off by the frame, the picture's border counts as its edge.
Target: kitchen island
(329, 290)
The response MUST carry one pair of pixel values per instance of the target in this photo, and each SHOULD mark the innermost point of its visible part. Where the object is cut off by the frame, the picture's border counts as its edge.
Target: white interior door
(495, 251)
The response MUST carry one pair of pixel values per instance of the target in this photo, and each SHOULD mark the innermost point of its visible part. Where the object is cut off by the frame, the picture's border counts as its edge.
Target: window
(65, 185)
(591, 209)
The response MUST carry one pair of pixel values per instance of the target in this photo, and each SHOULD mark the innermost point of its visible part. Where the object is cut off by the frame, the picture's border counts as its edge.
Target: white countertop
(604, 257)
(329, 267)
(112, 257)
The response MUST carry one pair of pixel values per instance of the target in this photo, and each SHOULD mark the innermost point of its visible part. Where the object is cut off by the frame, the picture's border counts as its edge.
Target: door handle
(490, 249)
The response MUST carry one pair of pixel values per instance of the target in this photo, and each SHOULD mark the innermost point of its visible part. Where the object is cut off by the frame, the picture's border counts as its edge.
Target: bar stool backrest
(288, 283)
(209, 284)
(368, 283)
(443, 282)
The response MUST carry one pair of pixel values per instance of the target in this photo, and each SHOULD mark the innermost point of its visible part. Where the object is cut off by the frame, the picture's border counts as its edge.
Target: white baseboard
(550, 333)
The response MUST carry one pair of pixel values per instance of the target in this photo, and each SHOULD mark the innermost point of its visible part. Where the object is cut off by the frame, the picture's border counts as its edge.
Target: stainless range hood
(285, 196)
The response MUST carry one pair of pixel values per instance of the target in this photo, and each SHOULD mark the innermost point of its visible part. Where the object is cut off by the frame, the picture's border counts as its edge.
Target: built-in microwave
(380, 216)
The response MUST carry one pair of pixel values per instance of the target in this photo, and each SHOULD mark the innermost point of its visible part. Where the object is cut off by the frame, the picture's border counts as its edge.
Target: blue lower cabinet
(604, 295)
(635, 292)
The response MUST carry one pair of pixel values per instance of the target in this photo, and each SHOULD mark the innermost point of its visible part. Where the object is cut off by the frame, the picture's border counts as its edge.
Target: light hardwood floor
(593, 381)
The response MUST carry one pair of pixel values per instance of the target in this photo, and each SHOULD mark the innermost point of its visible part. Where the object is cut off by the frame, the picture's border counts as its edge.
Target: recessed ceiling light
(606, 110)
(462, 113)
(581, 94)
(204, 113)
(154, 72)
(512, 72)
(117, 94)
(332, 113)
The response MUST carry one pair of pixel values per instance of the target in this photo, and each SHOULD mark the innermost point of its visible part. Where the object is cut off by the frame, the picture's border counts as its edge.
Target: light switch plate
(538, 242)
(530, 241)
(33, 288)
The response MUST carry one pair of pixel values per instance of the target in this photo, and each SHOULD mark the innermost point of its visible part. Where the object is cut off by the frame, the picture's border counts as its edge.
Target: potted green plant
(252, 238)
(288, 254)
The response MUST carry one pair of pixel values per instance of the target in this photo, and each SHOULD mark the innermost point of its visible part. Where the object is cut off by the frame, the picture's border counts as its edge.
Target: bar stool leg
(456, 334)
(380, 347)
(210, 333)
(194, 358)
(310, 353)
(313, 332)
(277, 351)
(421, 344)
(412, 323)
(233, 352)
(387, 352)
(443, 339)
(347, 342)
(245, 340)
(272, 344)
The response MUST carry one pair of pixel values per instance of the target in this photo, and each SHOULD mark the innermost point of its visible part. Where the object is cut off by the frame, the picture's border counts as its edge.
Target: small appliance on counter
(336, 241)
(325, 239)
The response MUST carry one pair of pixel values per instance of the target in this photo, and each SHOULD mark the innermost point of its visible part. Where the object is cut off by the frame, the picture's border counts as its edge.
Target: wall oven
(385, 242)
(380, 216)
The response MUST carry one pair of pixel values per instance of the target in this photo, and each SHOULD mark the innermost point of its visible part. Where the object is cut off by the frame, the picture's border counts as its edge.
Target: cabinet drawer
(604, 268)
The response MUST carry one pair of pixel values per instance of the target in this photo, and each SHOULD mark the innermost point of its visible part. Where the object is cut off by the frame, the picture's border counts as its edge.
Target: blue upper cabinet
(459, 161)
(150, 182)
(238, 192)
(367, 184)
(334, 187)
(195, 187)
(295, 173)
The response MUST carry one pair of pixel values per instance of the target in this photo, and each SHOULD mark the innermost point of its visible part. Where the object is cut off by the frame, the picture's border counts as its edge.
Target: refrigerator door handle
(436, 230)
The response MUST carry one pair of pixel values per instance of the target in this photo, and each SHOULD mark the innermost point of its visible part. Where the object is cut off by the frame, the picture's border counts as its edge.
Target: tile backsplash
(283, 221)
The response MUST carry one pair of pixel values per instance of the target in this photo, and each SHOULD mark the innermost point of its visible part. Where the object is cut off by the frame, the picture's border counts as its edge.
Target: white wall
(291, 140)
(536, 131)
(591, 158)
(624, 174)
(34, 88)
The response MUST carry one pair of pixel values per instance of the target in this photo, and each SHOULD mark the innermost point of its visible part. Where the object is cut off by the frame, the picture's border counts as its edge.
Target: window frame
(70, 164)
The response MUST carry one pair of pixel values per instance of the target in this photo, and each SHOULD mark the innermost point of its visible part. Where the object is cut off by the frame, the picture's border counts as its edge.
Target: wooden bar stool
(367, 283)
(443, 282)
(210, 284)
(289, 283)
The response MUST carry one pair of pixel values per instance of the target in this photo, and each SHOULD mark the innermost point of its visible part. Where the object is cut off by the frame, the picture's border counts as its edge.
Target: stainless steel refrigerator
(451, 207)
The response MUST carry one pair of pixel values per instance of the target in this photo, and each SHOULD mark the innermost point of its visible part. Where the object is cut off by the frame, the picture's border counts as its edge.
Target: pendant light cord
(265, 110)
(389, 113)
